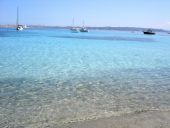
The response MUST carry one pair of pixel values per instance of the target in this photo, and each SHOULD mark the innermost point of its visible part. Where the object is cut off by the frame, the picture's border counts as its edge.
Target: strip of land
(90, 27)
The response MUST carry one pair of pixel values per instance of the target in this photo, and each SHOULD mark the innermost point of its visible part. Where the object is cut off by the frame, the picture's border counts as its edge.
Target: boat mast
(83, 23)
(17, 23)
(73, 22)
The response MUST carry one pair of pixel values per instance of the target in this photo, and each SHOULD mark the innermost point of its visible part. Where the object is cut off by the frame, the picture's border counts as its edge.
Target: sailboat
(19, 27)
(83, 29)
(73, 28)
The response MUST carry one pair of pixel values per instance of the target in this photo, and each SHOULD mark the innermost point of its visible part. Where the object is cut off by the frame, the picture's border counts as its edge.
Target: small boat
(83, 29)
(19, 27)
(73, 28)
(149, 32)
(25, 26)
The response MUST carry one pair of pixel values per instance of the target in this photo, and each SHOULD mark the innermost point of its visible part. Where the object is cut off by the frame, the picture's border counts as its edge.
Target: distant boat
(73, 28)
(25, 26)
(83, 28)
(19, 27)
(149, 32)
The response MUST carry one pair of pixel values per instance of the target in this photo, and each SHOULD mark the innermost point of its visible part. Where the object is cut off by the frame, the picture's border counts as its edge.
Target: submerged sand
(146, 119)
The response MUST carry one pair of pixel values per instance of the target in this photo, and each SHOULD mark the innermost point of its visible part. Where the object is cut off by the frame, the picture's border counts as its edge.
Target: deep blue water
(53, 76)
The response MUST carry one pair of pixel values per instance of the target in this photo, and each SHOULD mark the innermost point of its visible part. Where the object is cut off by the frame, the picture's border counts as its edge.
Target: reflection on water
(30, 102)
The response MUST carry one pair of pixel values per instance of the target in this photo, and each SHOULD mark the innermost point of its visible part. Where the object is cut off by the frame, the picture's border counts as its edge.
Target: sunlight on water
(50, 77)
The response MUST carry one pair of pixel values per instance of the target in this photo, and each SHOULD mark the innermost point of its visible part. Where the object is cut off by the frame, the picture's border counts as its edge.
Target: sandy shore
(153, 119)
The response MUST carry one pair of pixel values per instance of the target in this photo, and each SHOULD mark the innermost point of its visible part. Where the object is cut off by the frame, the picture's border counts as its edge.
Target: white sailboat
(73, 28)
(19, 27)
(83, 28)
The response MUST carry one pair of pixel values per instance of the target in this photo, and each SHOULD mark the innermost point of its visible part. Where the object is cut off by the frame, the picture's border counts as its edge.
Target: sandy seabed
(146, 119)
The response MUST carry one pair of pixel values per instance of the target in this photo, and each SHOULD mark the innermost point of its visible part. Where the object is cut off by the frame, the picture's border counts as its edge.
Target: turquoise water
(51, 77)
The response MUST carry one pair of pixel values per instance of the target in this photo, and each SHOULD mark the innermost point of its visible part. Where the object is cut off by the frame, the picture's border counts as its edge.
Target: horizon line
(79, 26)
(13, 25)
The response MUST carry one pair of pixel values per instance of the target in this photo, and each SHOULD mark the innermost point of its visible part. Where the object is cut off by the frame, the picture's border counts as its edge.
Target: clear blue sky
(117, 13)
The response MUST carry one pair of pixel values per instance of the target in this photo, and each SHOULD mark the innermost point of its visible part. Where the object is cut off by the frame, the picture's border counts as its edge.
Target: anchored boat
(73, 28)
(83, 28)
(19, 27)
(149, 32)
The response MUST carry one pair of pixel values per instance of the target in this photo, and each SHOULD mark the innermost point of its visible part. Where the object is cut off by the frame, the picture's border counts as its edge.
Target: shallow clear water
(50, 77)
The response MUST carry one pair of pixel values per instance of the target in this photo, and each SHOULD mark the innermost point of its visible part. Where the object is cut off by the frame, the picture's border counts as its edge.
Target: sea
(50, 77)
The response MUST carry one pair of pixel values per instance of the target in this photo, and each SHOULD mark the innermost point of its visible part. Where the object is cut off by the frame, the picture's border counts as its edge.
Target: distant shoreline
(94, 28)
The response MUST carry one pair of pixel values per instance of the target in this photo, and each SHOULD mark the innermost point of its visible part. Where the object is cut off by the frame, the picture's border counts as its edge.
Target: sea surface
(51, 77)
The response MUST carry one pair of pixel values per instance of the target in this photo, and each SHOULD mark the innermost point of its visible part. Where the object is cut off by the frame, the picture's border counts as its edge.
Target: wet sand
(151, 119)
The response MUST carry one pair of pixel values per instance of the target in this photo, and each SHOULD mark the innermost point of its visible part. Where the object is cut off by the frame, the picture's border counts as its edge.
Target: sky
(99, 13)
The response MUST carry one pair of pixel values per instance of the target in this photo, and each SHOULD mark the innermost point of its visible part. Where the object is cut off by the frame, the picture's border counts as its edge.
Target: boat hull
(149, 33)
(19, 28)
(74, 30)
(83, 30)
